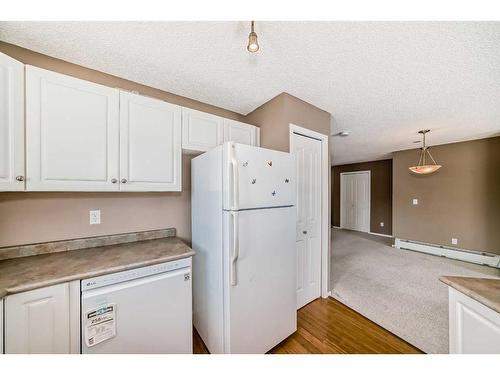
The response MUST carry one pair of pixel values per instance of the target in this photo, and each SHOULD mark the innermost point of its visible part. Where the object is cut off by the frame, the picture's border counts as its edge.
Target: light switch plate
(454, 241)
(381, 223)
(95, 217)
(415, 201)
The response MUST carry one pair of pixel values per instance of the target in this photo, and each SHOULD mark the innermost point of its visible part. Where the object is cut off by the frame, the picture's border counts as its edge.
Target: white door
(355, 201)
(201, 131)
(308, 227)
(153, 315)
(150, 144)
(38, 321)
(12, 174)
(72, 133)
(260, 275)
(240, 132)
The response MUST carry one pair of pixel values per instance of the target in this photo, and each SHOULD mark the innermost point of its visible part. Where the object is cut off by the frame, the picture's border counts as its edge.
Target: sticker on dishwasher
(100, 325)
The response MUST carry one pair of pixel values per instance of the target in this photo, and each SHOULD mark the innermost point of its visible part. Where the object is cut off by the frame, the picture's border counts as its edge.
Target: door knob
(124, 180)
(20, 178)
(114, 180)
(304, 231)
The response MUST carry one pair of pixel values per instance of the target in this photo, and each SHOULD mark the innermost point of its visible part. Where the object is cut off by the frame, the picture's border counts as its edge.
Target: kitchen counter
(485, 291)
(21, 274)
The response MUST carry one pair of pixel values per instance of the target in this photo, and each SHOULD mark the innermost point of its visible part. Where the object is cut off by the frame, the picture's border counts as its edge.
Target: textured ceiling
(382, 81)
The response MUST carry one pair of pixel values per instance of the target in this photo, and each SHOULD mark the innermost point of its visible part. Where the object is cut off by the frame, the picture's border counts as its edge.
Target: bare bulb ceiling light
(253, 44)
(423, 167)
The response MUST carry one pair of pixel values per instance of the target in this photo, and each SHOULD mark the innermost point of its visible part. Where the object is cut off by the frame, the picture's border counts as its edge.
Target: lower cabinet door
(474, 327)
(38, 321)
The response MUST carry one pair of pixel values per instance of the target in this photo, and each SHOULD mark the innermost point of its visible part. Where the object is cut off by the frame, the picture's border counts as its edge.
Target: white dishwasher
(143, 310)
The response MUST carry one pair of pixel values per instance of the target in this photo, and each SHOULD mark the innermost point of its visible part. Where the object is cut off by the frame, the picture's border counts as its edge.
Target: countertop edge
(471, 293)
(27, 287)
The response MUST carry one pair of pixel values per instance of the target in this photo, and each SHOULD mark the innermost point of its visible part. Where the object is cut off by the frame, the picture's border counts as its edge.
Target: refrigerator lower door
(260, 279)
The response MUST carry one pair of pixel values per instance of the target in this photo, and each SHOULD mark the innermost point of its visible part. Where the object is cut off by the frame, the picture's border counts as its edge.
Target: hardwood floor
(327, 326)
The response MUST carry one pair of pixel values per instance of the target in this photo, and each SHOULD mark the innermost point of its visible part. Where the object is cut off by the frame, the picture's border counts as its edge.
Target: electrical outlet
(95, 216)
(381, 223)
(454, 241)
(415, 201)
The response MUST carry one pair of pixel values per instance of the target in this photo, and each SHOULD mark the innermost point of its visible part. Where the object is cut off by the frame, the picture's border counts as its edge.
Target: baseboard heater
(478, 257)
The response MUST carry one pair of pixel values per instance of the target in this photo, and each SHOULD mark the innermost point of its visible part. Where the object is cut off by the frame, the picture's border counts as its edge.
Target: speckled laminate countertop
(32, 272)
(485, 291)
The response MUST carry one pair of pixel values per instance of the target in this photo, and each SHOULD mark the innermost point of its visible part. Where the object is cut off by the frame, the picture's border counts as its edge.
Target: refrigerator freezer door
(255, 177)
(260, 279)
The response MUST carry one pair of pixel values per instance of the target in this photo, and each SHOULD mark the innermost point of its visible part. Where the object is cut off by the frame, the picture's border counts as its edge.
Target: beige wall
(274, 118)
(37, 217)
(461, 200)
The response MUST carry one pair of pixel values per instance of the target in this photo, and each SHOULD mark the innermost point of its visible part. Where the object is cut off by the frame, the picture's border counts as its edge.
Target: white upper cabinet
(11, 124)
(150, 144)
(72, 132)
(201, 131)
(240, 132)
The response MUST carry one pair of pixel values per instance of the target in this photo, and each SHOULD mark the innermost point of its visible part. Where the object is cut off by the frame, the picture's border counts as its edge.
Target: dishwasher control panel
(135, 273)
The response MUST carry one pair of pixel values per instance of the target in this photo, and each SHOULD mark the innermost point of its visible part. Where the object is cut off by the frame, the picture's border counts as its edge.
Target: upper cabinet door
(240, 132)
(11, 124)
(201, 131)
(150, 144)
(72, 133)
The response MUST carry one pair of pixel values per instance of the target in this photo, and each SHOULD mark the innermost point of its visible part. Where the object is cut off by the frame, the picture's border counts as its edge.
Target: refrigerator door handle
(236, 250)
(234, 169)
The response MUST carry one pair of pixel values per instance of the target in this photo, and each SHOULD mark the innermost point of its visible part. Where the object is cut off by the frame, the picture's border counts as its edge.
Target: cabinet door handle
(20, 178)
(114, 180)
(124, 180)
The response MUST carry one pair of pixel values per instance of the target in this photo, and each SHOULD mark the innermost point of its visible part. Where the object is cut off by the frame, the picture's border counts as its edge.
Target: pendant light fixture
(253, 44)
(422, 167)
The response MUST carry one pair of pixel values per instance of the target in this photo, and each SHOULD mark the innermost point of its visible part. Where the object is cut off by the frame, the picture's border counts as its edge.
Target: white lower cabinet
(44, 320)
(240, 132)
(474, 327)
(150, 144)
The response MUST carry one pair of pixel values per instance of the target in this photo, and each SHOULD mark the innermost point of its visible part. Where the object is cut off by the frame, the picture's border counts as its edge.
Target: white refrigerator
(243, 232)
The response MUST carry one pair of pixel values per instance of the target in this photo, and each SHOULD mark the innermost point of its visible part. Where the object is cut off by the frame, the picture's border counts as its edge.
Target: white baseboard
(471, 256)
(382, 235)
(375, 234)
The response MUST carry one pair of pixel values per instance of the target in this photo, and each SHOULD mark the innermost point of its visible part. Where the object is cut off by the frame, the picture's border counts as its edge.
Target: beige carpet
(397, 289)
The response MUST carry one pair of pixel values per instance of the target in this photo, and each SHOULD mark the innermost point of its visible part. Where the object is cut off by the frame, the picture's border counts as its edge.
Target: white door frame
(325, 204)
(369, 197)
